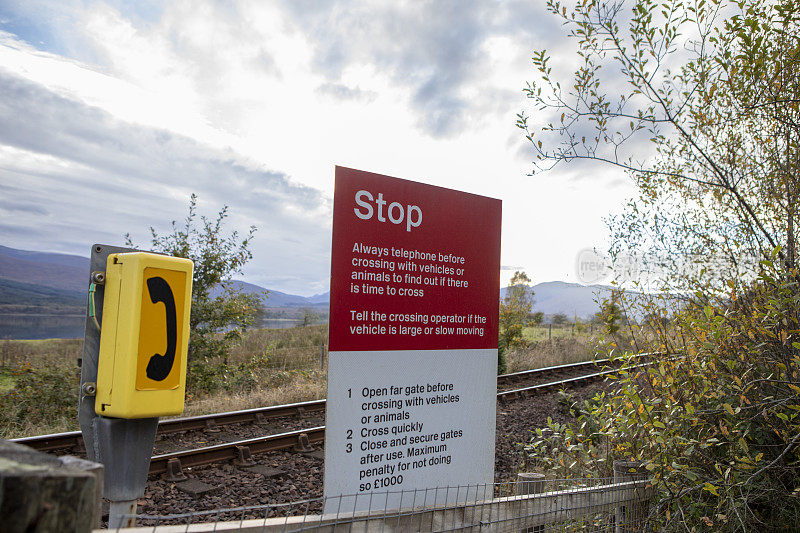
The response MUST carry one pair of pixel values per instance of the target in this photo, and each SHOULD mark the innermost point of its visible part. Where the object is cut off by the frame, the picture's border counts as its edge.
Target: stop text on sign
(396, 212)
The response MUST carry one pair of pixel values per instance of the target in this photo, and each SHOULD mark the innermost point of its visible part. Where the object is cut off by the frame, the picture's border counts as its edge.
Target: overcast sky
(113, 113)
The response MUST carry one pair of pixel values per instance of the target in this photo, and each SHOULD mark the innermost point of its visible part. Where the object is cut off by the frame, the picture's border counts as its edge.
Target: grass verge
(544, 353)
(39, 389)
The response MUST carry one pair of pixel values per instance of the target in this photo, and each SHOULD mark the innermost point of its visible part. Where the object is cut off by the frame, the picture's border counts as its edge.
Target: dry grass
(7, 381)
(557, 351)
(296, 387)
(297, 348)
(38, 353)
(546, 331)
(32, 427)
(291, 372)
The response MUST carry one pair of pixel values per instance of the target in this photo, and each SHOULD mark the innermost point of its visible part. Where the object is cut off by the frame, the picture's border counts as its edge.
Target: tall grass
(560, 350)
(268, 367)
(299, 348)
(548, 331)
(283, 387)
(40, 353)
(43, 399)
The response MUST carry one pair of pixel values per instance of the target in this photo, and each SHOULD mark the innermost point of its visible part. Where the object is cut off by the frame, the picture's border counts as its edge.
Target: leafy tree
(515, 315)
(717, 425)
(699, 101)
(611, 314)
(220, 312)
(713, 87)
(559, 319)
(308, 316)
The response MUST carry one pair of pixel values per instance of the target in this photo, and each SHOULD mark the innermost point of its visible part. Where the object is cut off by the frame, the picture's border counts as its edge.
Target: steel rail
(294, 439)
(73, 439)
(595, 362)
(56, 441)
(525, 391)
(256, 414)
(228, 451)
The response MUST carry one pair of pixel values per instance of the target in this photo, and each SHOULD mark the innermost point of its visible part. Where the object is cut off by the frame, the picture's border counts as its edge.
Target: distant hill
(56, 271)
(278, 298)
(324, 298)
(47, 257)
(60, 280)
(572, 299)
(29, 280)
(24, 295)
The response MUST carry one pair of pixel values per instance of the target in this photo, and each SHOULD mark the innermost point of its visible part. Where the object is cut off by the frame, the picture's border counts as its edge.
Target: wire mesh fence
(615, 505)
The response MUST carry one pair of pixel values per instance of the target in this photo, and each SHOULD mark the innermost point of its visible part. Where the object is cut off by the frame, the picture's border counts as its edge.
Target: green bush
(42, 397)
(206, 377)
(716, 425)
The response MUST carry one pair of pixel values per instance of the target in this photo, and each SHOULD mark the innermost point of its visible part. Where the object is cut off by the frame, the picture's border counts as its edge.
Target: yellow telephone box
(141, 370)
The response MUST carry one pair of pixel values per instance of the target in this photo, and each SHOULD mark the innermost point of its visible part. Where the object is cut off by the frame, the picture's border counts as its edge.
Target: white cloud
(252, 104)
(97, 177)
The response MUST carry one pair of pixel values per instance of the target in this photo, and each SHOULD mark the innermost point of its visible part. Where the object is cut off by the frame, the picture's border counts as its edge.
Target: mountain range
(31, 281)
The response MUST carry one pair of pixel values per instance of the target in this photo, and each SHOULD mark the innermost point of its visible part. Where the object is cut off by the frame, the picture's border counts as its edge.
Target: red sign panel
(413, 266)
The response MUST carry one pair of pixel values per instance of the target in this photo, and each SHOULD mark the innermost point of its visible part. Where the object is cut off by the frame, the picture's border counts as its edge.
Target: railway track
(300, 440)
(74, 440)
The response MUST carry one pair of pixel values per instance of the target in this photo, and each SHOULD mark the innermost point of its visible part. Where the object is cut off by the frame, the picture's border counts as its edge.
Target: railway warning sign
(412, 342)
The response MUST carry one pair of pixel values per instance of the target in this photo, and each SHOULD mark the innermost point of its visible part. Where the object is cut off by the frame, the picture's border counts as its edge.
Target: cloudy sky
(112, 113)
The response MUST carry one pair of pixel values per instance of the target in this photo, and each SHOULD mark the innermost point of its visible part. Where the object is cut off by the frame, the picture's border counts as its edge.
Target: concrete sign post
(412, 359)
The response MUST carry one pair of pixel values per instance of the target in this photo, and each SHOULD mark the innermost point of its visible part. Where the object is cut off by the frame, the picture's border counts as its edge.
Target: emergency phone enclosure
(144, 339)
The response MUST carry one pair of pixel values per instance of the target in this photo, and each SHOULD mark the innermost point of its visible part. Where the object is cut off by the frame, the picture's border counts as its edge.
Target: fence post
(96, 469)
(549, 331)
(628, 517)
(322, 356)
(6, 345)
(39, 493)
(530, 483)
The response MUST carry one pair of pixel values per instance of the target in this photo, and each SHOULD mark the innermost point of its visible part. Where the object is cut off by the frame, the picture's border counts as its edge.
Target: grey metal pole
(123, 446)
(122, 514)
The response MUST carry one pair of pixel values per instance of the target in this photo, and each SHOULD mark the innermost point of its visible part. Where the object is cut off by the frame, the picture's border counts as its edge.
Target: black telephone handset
(159, 366)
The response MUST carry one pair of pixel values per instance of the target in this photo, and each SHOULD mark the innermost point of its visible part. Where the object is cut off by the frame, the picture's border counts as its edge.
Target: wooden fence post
(322, 357)
(6, 350)
(631, 516)
(531, 483)
(39, 493)
(96, 469)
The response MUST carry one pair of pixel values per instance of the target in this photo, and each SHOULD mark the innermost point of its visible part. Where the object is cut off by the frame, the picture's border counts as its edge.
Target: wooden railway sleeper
(211, 426)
